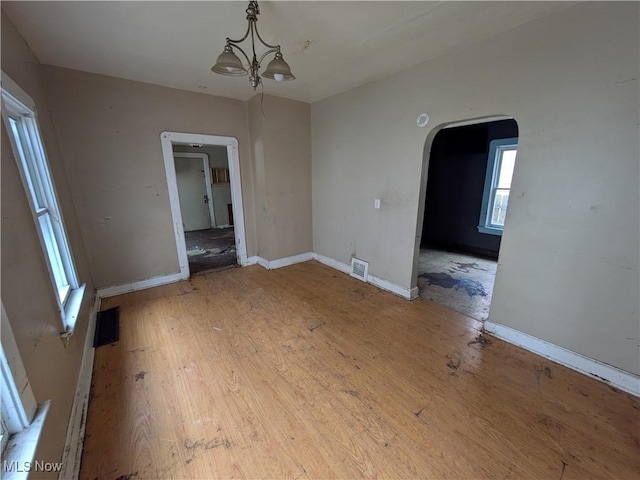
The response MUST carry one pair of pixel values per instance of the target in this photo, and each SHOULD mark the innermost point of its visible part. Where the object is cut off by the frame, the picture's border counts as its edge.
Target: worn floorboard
(210, 249)
(304, 372)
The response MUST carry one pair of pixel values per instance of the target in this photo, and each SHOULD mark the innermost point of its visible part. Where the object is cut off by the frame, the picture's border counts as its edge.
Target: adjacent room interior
(469, 179)
(309, 258)
(204, 190)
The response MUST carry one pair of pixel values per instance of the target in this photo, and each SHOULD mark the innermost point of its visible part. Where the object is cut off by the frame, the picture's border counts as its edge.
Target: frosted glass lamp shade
(228, 63)
(278, 69)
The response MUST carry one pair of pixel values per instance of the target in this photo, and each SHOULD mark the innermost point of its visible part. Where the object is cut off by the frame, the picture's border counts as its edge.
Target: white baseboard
(250, 261)
(343, 267)
(408, 293)
(330, 262)
(72, 454)
(403, 292)
(140, 285)
(601, 371)
(285, 262)
(280, 262)
(263, 262)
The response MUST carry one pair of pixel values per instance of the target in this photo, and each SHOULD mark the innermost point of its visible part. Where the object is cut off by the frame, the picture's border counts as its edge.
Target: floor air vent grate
(107, 327)
(359, 269)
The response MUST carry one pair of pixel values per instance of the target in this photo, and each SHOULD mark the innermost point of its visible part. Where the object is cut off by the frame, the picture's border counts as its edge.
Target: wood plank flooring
(304, 372)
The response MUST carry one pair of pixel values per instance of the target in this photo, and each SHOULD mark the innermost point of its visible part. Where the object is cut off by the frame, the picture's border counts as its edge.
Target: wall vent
(359, 269)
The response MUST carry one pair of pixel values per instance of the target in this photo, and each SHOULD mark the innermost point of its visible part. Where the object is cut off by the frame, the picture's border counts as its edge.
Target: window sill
(17, 459)
(490, 230)
(72, 310)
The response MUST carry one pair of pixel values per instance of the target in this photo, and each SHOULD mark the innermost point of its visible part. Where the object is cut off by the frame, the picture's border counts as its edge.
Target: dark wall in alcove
(457, 169)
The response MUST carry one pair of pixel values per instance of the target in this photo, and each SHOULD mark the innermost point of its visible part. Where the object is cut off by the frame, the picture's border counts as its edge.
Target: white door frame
(168, 139)
(207, 180)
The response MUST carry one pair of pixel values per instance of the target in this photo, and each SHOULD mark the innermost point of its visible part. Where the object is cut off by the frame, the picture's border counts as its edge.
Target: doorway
(204, 190)
(467, 193)
(205, 194)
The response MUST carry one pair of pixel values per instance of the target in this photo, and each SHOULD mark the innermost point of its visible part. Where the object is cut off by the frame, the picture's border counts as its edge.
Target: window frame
(22, 417)
(19, 114)
(496, 150)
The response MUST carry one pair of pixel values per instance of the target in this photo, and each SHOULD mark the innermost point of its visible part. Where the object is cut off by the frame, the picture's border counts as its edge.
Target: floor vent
(107, 327)
(359, 269)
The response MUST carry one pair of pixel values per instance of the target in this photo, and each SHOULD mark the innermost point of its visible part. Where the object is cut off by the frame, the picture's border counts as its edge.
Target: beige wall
(256, 133)
(109, 131)
(26, 288)
(568, 270)
(280, 132)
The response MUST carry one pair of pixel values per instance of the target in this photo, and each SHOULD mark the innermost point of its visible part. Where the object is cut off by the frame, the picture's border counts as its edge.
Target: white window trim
(23, 417)
(495, 147)
(15, 99)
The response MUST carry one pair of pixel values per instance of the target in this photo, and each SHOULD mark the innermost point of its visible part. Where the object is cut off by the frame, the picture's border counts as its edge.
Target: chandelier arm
(245, 35)
(268, 52)
(233, 44)
(263, 42)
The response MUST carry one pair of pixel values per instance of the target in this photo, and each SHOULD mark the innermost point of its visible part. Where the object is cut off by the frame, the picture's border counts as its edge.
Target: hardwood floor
(304, 372)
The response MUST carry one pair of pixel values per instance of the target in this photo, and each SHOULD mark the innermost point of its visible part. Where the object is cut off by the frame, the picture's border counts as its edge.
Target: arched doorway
(466, 183)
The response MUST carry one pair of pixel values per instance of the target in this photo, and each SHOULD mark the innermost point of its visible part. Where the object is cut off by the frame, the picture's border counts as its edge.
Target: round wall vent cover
(422, 120)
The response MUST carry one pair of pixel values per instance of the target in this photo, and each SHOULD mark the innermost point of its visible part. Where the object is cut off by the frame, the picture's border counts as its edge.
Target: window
(17, 413)
(22, 418)
(19, 113)
(502, 161)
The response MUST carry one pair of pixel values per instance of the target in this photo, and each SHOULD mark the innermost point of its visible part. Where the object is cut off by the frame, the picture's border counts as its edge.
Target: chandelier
(228, 63)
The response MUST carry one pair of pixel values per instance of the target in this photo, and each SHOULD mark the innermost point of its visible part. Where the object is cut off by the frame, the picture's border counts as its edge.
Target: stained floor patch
(472, 287)
(461, 282)
(467, 267)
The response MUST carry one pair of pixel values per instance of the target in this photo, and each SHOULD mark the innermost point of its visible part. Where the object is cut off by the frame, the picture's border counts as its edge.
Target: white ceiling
(331, 46)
